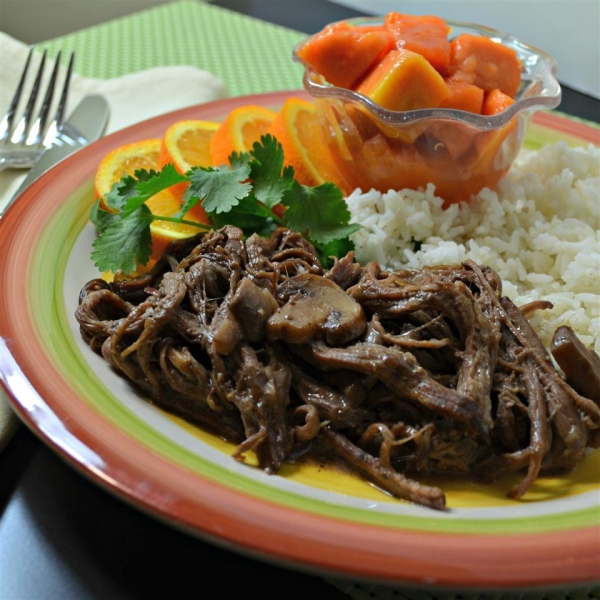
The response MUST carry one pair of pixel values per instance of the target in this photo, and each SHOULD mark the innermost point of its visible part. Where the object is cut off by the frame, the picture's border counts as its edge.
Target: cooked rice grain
(540, 231)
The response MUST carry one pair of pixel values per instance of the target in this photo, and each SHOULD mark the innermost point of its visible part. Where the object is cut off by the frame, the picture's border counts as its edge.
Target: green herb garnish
(242, 194)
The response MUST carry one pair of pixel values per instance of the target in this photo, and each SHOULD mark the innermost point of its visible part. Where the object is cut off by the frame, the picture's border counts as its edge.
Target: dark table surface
(62, 537)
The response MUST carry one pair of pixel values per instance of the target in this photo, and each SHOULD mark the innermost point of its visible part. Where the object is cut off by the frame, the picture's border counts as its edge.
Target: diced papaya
(463, 96)
(455, 139)
(495, 102)
(490, 65)
(404, 80)
(426, 35)
(343, 53)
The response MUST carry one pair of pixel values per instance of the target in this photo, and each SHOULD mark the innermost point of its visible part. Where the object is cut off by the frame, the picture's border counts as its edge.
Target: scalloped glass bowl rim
(549, 97)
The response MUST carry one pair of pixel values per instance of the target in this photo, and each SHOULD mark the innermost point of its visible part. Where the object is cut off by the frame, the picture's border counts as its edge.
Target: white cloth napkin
(132, 98)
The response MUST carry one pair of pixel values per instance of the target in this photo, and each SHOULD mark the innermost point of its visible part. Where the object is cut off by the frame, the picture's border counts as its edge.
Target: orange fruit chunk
(342, 54)
(495, 102)
(241, 128)
(186, 144)
(463, 96)
(485, 63)
(125, 160)
(427, 35)
(404, 80)
(297, 129)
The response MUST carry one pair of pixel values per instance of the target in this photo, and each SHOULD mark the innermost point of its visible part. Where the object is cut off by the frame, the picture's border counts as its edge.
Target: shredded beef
(392, 373)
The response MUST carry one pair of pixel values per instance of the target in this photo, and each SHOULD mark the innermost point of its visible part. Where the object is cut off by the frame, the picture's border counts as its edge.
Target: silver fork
(21, 144)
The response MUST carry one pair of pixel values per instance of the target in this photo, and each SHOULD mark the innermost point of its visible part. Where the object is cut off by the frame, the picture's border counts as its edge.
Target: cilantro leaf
(249, 215)
(320, 212)
(145, 185)
(238, 160)
(120, 191)
(339, 247)
(271, 179)
(219, 189)
(124, 243)
(100, 218)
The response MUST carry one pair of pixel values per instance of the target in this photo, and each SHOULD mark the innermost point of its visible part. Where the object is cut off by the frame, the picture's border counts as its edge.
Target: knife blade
(85, 124)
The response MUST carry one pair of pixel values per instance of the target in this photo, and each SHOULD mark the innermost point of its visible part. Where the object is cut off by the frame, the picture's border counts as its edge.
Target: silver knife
(86, 124)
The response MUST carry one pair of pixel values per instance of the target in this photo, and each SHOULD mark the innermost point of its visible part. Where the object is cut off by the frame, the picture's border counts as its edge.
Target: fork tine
(37, 129)
(7, 120)
(23, 124)
(62, 104)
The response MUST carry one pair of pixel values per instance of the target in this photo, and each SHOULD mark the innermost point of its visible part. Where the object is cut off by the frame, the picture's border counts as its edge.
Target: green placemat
(249, 55)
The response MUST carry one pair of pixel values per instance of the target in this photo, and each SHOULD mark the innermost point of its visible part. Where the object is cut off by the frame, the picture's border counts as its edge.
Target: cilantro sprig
(243, 193)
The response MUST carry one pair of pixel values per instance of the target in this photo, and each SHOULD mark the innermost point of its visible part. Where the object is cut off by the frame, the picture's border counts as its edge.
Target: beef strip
(388, 478)
(402, 374)
(565, 418)
(331, 404)
(261, 394)
(393, 295)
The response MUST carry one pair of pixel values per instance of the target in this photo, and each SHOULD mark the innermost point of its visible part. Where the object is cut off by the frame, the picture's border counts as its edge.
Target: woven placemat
(251, 57)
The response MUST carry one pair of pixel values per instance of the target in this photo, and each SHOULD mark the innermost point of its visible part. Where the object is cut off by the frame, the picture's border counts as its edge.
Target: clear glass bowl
(458, 151)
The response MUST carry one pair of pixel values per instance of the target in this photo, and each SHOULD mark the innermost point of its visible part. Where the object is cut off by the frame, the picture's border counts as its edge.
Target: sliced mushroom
(252, 306)
(315, 307)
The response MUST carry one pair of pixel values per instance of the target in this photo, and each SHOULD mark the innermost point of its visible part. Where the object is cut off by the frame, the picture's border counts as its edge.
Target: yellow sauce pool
(460, 493)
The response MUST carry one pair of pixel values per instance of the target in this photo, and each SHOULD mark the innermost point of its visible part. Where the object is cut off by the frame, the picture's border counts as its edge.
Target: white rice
(540, 231)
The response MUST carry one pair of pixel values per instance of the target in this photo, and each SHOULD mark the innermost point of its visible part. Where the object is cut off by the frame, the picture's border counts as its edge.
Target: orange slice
(167, 203)
(186, 144)
(125, 160)
(297, 128)
(241, 128)
(121, 161)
